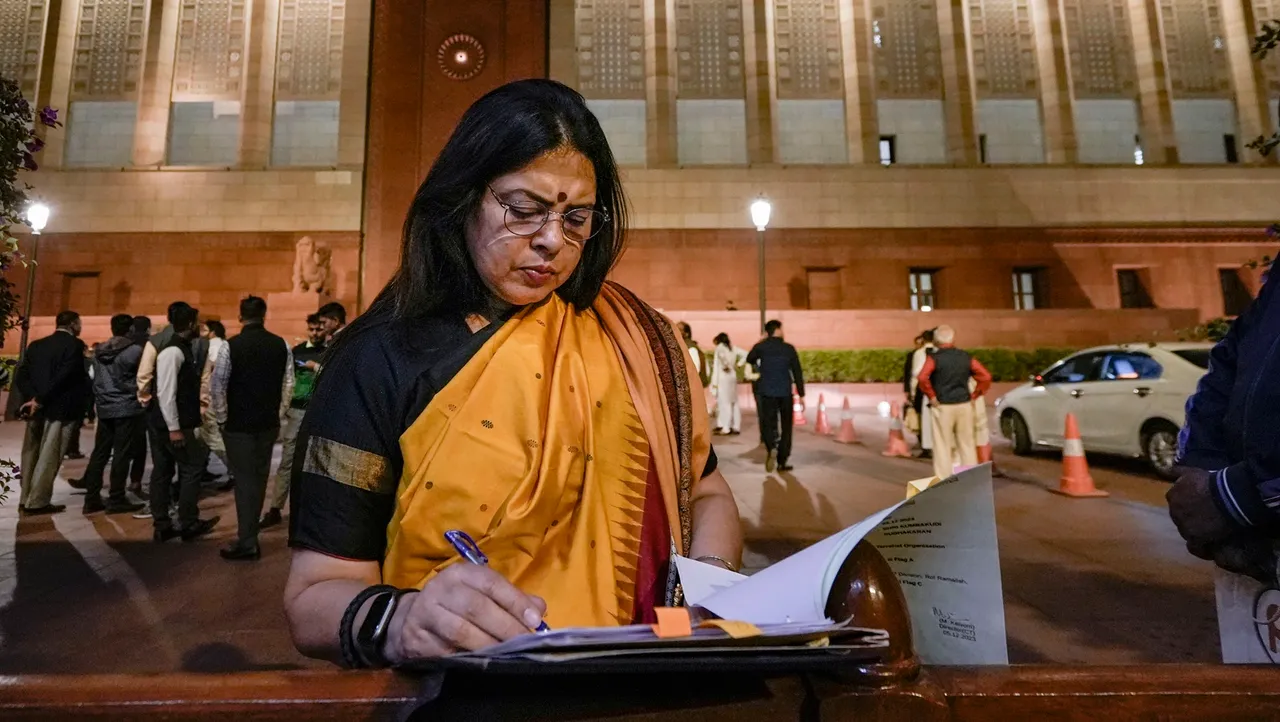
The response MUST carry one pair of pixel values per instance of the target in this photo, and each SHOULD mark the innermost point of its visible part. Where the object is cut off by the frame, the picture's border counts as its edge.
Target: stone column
(151, 131)
(355, 82)
(1057, 113)
(861, 120)
(257, 101)
(54, 86)
(660, 84)
(1248, 79)
(761, 93)
(958, 101)
(1155, 107)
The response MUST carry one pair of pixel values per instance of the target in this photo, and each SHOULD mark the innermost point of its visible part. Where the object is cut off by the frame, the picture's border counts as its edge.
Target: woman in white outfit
(724, 382)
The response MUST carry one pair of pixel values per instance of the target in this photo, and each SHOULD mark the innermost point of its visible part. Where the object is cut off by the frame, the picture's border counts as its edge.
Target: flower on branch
(35, 145)
(49, 117)
(29, 161)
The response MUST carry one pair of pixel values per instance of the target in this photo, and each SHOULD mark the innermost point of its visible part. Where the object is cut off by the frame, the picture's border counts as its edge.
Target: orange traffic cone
(1075, 480)
(847, 435)
(797, 411)
(823, 427)
(897, 445)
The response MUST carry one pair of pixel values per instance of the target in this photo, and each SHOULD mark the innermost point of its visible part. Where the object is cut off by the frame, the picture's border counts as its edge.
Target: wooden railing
(896, 689)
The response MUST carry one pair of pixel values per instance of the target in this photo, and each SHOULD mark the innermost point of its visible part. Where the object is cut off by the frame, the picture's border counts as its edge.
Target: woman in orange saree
(499, 386)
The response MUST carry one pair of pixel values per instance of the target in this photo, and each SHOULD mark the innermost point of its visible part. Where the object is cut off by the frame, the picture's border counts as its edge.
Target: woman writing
(500, 387)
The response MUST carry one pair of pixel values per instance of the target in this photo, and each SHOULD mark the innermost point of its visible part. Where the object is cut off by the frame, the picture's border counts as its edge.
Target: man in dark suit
(779, 366)
(252, 387)
(53, 380)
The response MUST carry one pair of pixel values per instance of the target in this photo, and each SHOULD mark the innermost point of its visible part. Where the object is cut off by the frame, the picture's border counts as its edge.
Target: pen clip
(466, 546)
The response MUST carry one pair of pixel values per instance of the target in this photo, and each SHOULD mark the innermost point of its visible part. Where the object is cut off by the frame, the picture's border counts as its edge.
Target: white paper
(942, 545)
(795, 589)
(1248, 619)
(700, 580)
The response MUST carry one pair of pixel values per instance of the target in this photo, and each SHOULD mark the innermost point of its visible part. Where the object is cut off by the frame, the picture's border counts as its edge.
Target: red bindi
(562, 197)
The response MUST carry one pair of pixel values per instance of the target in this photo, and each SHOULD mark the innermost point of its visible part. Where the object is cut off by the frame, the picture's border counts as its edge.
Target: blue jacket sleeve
(1239, 487)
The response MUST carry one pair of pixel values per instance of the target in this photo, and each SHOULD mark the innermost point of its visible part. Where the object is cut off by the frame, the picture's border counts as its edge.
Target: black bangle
(346, 638)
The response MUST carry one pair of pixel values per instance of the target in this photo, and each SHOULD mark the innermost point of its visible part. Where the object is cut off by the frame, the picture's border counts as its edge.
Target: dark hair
(65, 318)
(313, 319)
(772, 326)
(183, 319)
(253, 308)
(722, 338)
(176, 307)
(685, 330)
(121, 324)
(503, 131)
(216, 326)
(927, 336)
(141, 323)
(333, 310)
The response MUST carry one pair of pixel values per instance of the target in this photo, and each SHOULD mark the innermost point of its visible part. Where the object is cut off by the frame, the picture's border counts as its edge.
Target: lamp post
(761, 209)
(37, 219)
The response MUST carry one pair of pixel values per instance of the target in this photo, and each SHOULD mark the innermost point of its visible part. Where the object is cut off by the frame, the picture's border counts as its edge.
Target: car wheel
(1014, 428)
(1160, 449)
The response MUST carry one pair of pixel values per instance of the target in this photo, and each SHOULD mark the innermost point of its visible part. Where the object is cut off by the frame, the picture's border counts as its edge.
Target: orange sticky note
(673, 622)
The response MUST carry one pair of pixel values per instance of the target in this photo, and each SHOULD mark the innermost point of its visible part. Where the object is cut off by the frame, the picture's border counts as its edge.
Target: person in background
(215, 335)
(1226, 500)
(306, 360)
(163, 465)
(695, 354)
(724, 383)
(252, 390)
(140, 333)
(779, 366)
(333, 317)
(923, 425)
(174, 416)
(53, 381)
(121, 426)
(945, 380)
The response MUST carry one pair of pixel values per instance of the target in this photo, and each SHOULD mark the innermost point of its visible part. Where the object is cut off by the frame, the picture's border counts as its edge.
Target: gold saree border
(348, 465)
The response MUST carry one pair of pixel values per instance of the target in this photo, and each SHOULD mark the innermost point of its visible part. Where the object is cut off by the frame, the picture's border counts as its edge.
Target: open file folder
(941, 543)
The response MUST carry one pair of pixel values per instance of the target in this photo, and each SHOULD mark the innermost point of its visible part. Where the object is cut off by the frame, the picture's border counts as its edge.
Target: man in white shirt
(175, 416)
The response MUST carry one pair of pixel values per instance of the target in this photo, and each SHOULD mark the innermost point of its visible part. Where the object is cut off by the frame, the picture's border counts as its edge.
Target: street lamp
(761, 209)
(37, 219)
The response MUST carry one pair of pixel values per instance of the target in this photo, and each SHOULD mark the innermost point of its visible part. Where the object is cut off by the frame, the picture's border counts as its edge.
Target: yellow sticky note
(736, 630)
(673, 622)
(919, 485)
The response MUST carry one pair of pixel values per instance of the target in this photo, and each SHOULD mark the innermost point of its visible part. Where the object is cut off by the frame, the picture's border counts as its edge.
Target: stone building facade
(955, 155)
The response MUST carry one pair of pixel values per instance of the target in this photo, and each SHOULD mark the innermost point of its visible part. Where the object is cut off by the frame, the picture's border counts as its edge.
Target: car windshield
(1197, 356)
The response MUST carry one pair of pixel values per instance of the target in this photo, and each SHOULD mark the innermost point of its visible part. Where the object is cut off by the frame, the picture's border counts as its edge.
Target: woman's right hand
(465, 607)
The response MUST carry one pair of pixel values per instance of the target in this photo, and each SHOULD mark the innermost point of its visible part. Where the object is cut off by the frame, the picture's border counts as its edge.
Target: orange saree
(567, 448)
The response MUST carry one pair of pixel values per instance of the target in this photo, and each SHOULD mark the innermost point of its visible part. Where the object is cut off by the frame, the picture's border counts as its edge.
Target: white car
(1128, 400)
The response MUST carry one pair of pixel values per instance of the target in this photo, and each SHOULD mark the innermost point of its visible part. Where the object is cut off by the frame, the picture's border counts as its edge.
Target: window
(1133, 292)
(1138, 158)
(1235, 295)
(1076, 369)
(1026, 289)
(1229, 145)
(1196, 356)
(888, 149)
(923, 289)
(1131, 367)
(982, 148)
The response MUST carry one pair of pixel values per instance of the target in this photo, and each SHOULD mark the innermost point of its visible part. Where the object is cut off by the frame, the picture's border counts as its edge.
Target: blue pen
(470, 551)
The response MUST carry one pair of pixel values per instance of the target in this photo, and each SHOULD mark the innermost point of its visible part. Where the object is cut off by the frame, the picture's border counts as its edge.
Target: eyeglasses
(525, 218)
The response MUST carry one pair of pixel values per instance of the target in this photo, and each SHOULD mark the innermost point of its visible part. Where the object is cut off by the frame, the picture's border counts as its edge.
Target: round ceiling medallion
(461, 57)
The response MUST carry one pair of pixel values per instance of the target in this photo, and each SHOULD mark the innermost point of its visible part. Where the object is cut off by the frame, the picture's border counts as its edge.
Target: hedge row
(884, 365)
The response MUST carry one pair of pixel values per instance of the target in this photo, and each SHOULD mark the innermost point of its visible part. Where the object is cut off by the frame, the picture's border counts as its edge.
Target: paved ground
(1093, 581)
